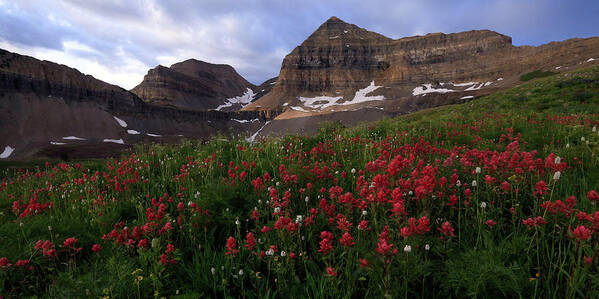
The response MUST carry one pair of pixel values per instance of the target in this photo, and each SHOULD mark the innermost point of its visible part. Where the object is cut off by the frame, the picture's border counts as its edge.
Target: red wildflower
(581, 233)
(540, 188)
(231, 246)
(170, 248)
(446, 229)
(163, 260)
(593, 195)
(588, 260)
(331, 272)
(96, 248)
(69, 242)
(325, 246)
(22, 263)
(364, 263)
(4, 263)
(347, 240)
(490, 223)
(250, 241)
(363, 225)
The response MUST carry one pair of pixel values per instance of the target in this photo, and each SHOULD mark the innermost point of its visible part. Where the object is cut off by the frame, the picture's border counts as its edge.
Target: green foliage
(535, 74)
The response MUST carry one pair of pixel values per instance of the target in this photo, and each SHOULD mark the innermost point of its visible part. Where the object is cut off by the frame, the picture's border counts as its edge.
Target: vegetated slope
(491, 198)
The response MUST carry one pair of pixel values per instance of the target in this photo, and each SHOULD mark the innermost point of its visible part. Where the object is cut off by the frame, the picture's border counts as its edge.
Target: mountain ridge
(333, 66)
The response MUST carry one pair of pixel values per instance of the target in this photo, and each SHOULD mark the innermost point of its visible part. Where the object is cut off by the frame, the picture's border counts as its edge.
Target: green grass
(536, 74)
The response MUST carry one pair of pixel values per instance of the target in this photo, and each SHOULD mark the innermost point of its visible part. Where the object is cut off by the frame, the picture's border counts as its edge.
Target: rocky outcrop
(192, 84)
(340, 59)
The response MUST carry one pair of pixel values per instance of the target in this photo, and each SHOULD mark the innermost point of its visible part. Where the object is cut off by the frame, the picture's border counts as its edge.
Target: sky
(118, 41)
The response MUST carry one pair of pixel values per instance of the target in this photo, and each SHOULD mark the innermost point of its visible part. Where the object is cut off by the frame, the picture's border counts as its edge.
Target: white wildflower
(556, 175)
(407, 249)
(477, 170)
(483, 205)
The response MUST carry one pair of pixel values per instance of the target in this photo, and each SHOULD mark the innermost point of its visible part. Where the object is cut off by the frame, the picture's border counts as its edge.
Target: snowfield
(243, 99)
(323, 102)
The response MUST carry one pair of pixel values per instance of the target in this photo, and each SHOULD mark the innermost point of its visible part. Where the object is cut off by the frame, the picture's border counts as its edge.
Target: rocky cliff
(50, 108)
(193, 84)
(342, 67)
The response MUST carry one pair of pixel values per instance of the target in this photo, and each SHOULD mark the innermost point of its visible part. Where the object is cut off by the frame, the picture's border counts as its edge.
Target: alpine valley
(340, 73)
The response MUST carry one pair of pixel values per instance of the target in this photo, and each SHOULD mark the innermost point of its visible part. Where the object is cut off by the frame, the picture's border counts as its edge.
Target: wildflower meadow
(493, 198)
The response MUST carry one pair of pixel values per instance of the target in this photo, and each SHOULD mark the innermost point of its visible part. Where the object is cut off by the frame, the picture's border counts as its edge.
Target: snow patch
(73, 138)
(57, 143)
(285, 104)
(323, 102)
(253, 137)
(467, 97)
(488, 83)
(334, 37)
(500, 79)
(361, 95)
(591, 59)
(7, 152)
(119, 141)
(244, 99)
(298, 108)
(132, 132)
(558, 67)
(464, 84)
(428, 88)
(153, 135)
(121, 122)
(245, 120)
(475, 87)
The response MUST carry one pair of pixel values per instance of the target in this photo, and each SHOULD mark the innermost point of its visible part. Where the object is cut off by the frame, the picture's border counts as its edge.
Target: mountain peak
(334, 19)
(335, 30)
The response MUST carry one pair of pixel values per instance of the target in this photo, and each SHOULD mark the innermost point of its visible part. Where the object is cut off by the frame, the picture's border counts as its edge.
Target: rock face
(192, 84)
(342, 67)
(53, 109)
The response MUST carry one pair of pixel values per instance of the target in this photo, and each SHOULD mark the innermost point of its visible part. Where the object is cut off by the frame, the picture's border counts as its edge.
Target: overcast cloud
(118, 41)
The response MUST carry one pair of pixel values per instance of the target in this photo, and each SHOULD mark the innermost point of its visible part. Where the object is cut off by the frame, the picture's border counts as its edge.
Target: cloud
(118, 41)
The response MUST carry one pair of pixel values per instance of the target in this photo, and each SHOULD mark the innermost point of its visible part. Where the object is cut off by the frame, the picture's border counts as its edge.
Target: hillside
(493, 198)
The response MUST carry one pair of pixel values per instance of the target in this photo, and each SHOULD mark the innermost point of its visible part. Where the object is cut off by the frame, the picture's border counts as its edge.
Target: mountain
(342, 67)
(47, 109)
(197, 85)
